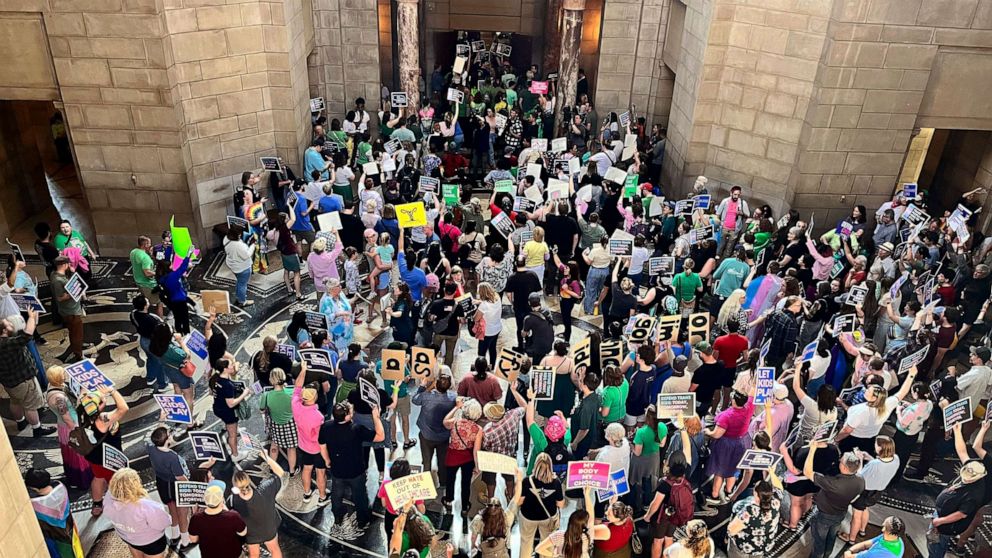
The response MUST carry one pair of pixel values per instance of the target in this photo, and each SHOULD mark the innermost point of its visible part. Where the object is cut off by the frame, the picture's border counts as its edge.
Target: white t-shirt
(617, 457)
(865, 421)
(492, 312)
(237, 255)
(343, 175)
(679, 551)
(812, 416)
(818, 366)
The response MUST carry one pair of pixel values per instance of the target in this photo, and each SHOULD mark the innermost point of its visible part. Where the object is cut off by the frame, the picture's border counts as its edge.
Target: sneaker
(307, 496)
(958, 550)
(321, 502)
(714, 501)
(22, 424)
(42, 431)
(150, 381)
(248, 302)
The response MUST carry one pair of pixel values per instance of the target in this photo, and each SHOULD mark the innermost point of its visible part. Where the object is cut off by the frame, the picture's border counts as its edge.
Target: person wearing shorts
(401, 412)
(17, 375)
(169, 467)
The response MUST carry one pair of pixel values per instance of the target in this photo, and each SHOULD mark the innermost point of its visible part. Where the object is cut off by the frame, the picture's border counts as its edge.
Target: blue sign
(27, 301)
(701, 201)
(618, 486)
(764, 385)
(196, 342)
(810, 351)
(175, 407)
(909, 190)
(287, 349)
(86, 376)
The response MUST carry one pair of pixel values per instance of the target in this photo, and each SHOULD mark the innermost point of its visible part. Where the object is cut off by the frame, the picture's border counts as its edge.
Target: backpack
(681, 504)
(560, 456)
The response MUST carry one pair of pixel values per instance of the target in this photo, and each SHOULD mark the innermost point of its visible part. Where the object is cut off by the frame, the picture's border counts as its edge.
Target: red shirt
(730, 347)
(619, 537)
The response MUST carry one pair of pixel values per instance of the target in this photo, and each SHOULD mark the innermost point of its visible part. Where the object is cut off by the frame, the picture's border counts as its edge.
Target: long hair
(697, 538)
(543, 468)
(160, 340)
(125, 486)
(493, 524)
(268, 345)
(730, 308)
(419, 531)
(878, 404)
(575, 535)
(298, 322)
(763, 490)
(487, 292)
(651, 421)
(481, 369)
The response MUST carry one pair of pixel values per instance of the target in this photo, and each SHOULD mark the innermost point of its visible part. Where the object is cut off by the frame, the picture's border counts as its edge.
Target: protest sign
(957, 412)
(398, 99)
(15, 250)
(467, 304)
(524, 204)
(219, 301)
(492, 462)
(897, 286)
(270, 163)
(559, 144)
(683, 207)
(624, 119)
(455, 95)
(419, 487)
(909, 190)
(912, 360)
(643, 325)
(388, 165)
(538, 87)
(763, 351)
(368, 392)
(557, 189)
(856, 296)
(664, 265)
(237, 222)
(500, 121)
(701, 201)
(189, 493)
(630, 186)
(175, 407)
(844, 324)
(534, 169)
(508, 361)
(393, 364)
(450, 194)
(86, 376)
(836, 270)
(505, 185)
(478, 46)
(825, 432)
(542, 381)
(429, 184)
(503, 49)
(935, 391)
(668, 328)
(588, 474)
(423, 362)
(330, 221)
(318, 360)
(27, 301)
(759, 460)
(582, 353)
(411, 215)
(391, 146)
(316, 104)
(196, 342)
(113, 458)
(256, 388)
(621, 247)
(618, 486)
(533, 193)
(207, 445)
(764, 385)
(574, 165)
(657, 206)
(287, 350)
(503, 224)
(671, 405)
(316, 320)
(615, 175)
(76, 287)
(809, 351)
(699, 324)
(610, 353)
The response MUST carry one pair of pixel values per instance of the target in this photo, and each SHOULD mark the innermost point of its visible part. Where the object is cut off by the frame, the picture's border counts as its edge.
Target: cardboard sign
(189, 494)
(701, 201)
(610, 353)
(542, 381)
(76, 287)
(957, 413)
(759, 460)
(393, 364)
(318, 360)
(207, 445)
(912, 360)
(15, 250)
(665, 265)
(538, 87)
(330, 221)
(699, 324)
(419, 487)
(508, 361)
(369, 393)
(618, 486)
(641, 330)
(27, 301)
(175, 407)
(316, 321)
(856, 296)
(670, 405)
(503, 224)
(909, 190)
(844, 324)
(423, 362)
(428, 184)
(809, 351)
(492, 462)
(411, 215)
(588, 474)
(668, 328)
(398, 99)
(316, 104)
(455, 95)
(450, 194)
(825, 432)
(582, 353)
(113, 458)
(764, 385)
(220, 301)
(615, 175)
(558, 145)
(621, 248)
(237, 222)
(86, 376)
(624, 119)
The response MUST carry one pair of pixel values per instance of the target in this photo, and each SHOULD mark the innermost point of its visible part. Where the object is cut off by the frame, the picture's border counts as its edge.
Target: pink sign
(583, 474)
(539, 87)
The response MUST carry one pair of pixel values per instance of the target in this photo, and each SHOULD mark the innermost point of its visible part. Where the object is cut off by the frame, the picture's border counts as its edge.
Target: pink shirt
(140, 523)
(323, 266)
(730, 217)
(308, 420)
(736, 420)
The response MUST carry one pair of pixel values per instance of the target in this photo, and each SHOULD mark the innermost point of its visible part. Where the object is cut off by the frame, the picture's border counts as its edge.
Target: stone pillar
(407, 29)
(552, 37)
(568, 69)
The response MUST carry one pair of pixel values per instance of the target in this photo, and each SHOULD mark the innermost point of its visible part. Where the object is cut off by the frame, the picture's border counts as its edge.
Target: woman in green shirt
(686, 285)
(277, 405)
(615, 389)
(645, 459)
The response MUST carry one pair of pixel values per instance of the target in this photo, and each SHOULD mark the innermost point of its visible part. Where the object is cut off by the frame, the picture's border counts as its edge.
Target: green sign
(630, 186)
(449, 192)
(503, 186)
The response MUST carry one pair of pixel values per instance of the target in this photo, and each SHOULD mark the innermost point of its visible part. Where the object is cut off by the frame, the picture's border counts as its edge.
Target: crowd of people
(560, 231)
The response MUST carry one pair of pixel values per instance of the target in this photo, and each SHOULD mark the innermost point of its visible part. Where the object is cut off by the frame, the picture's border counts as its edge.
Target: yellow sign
(411, 215)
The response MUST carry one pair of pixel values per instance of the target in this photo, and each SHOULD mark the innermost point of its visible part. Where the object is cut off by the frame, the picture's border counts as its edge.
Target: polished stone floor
(307, 531)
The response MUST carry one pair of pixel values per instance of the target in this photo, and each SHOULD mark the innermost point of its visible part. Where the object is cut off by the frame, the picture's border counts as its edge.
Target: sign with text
(912, 360)
(429, 184)
(671, 405)
(641, 332)
(15, 249)
(218, 301)
(699, 324)
(957, 412)
(559, 144)
(610, 353)
(316, 321)
(330, 221)
(450, 194)
(423, 362)
(207, 445)
(844, 324)
(588, 474)
(270, 163)
(398, 99)
(287, 350)
(113, 458)
(419, 487)
(316, 104)
(189, 494)
(618, 486)
(615, 175)
(175, 407)
(76, 287)
(856, 296)
(538, 87)
(668, 328)
(621, 247)
(764, 385)
(393, 364)
(318, 360)
(369, 393)
(665, 265)
(701, 201)
(809, 351)
(503, 224)
(542, 381)
(239, 222)
(492, 462)
(86, 376)
(909, 190)
(455, 95)
(582, 353)
(508, 361)
(759, 460)
(825, 432)
(27, 301)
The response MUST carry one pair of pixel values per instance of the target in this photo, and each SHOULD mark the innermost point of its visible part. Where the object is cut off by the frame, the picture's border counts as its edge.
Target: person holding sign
(18, 375)
(169, 467)
(577, 540)
(227, 399)
(490, 530)
(257, 506)
(176, 359)
(645, 461)
(836, 493)
(865, 420)
(69, 308)
(77, 471)
(138, 520)
(104, 428)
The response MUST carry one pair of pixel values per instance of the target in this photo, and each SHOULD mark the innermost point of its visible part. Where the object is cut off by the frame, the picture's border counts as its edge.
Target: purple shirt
(140, 523)
(736, 420)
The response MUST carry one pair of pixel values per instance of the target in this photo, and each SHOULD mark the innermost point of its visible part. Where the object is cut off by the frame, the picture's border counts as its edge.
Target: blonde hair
(538, 234)
(319, 245)
(487, 292)
(730, 308)
(56, 376)
(125, 486)
(277, 376)
(543, 468)
(697, 538)
(886, 447)
(241, 480)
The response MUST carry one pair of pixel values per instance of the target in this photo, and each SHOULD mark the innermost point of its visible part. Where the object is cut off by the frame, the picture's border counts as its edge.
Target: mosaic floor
(307, 531)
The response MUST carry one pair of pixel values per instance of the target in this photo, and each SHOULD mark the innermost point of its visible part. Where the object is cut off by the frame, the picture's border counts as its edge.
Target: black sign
(542, 381)
(824, 432)
(671, 405)
(189, 494)
(270, 163)
(957, 412)
(759, 460)
(368, 392)
(318, 360)
(664, 265)
(621, 247)
(316, 321)
(207, 445)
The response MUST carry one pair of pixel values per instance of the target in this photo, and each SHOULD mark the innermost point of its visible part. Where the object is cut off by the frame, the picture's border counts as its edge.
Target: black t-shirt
(623, 302)
(561, 231)
(218, 533)
(535, 493)
(443, 309)
(351, 231)
(795, 252)
(344, 442)
(965, 498)
(361, 407)
(276, 360)
(541, 335)
(520, 285)
(144, 323)
(708, 378)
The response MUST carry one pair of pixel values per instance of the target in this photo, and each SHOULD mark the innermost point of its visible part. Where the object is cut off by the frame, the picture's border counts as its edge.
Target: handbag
(187, 368)
(479, 328)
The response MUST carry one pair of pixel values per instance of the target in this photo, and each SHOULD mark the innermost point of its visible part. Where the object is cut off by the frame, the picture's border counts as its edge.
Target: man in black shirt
(539, 330)
(145, 322)
(562, 235)
(340, 441)
(955, 507)
(707, 380)
(447, 313)
(519, 287)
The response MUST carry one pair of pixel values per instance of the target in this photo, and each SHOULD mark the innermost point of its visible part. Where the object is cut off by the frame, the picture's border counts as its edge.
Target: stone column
(552, 37)
(568, 68)
(407, 30)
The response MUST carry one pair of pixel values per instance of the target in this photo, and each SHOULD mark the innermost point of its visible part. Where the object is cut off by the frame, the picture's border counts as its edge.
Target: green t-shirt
(364, 153)
(539, 442)
(279, 403)
(140, 261)
(511, 97)
(67, 307)
(74, 240)
(615, 397)
(685, 286)
(732, 274)
(644, 437)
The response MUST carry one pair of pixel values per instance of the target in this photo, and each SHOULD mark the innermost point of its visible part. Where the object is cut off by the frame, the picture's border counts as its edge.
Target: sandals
(409, 444)
(97, 509)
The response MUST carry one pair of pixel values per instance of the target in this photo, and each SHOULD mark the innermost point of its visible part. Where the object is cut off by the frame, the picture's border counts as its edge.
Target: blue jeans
(824, 529)
(939, 549)
(42, 378)
(241, 289)
(153, 366)
(595, 281)
(359, 495)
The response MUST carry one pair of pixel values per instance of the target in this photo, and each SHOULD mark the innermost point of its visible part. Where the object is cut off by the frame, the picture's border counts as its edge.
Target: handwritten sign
(671, 405)
(393, 364)
(330, 221)
(957, 412)
(189, 494)
(610, 353)
(492, 462)
(415, 488)
(76, 287)
(318, 360)
(508, 361)
(423, 362)
(618, 486)
(86, 376)
(542, 381)
(220, 301)
(207, 445)
(588, 474)
(759, 460)
(538, 87)
(668, 328)
(113, 458)
(582, 353)
(175, 407)
(764, 385)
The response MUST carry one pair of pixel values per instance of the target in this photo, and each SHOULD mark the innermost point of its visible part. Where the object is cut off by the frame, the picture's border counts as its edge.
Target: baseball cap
(680, 363)
(781, 392)
(704, 347)
(983, 353)
(213, 497)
